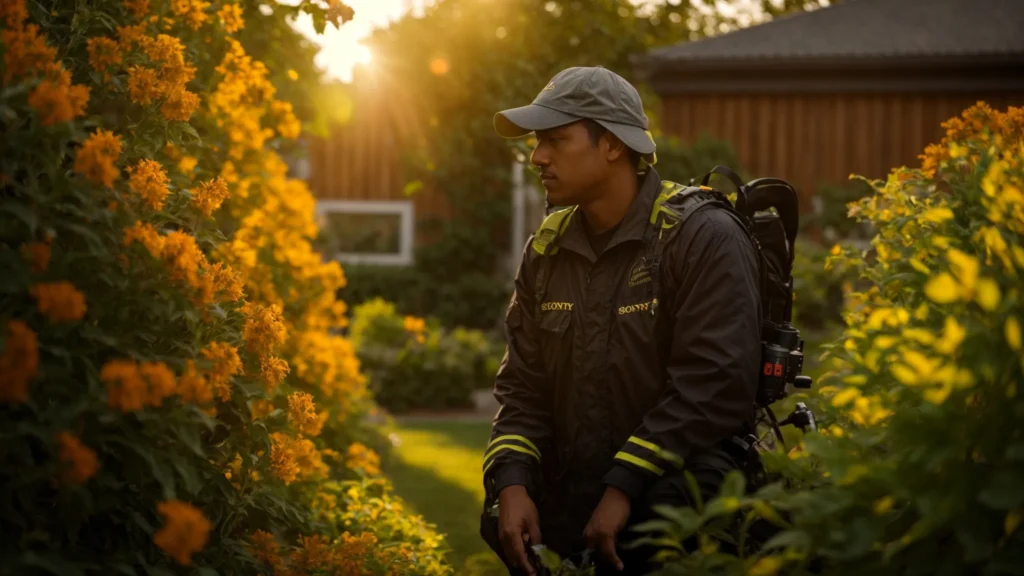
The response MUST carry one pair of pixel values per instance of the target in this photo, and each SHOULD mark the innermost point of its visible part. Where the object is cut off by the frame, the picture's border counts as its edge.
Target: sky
(340, 50)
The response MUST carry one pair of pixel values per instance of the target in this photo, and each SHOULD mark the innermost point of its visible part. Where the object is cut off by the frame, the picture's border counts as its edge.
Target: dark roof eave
(651, 66)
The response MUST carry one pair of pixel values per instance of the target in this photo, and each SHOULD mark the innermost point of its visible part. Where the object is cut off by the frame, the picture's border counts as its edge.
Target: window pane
(360, 233)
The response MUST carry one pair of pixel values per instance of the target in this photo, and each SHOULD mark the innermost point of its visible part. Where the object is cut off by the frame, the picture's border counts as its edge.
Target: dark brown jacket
(593, 387)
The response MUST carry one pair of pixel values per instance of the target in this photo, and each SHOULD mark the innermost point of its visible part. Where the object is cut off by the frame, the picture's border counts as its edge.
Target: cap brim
(525, 119)
(636, 138)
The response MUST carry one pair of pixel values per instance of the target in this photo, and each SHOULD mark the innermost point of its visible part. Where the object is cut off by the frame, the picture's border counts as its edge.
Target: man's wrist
(627, 481)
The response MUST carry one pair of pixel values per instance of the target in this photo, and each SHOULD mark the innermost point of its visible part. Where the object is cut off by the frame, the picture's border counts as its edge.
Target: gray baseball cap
(581, 92)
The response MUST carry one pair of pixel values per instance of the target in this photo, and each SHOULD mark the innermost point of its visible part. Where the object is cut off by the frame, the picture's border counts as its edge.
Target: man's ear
(616, 148)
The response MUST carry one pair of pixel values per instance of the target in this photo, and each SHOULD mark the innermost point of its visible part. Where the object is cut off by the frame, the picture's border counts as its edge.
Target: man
(622, 364)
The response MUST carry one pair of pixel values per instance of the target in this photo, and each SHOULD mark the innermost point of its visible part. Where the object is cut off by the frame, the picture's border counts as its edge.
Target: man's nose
(539, 157)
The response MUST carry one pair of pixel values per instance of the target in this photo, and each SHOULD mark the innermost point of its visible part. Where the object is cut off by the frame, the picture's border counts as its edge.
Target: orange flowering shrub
(173, 391)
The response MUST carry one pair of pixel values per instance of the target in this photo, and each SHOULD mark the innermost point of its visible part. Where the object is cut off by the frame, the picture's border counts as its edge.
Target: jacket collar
(632, 226)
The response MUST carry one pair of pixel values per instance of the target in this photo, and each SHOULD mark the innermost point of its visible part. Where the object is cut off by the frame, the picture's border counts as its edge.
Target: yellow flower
(95, 159)
(59, 301)
(230, 16)
(293, 75)
(19, 362)
(78, 461)
(765, 566)
(208, 196)
(149, 181)
(185, 530)
(942, 289)
(1013, 333)
(952, 336)
(988, 295)
(187, 164)
(883, 505)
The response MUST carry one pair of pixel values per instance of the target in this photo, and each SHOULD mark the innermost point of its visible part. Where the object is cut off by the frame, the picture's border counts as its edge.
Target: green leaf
(1003, 490)
(788, 539)
(734, 485)
(52, 563)
(686, 518)
(23, 213)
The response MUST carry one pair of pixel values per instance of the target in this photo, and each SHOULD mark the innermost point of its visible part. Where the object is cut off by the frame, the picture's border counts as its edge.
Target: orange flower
(57, 100)
(274, 370)
(129, 36)
(19, 362)
(363, 459)
(265, 548)
(149, 181)
(13, 13)
(185, 531)
(38, 256)
(302, 414)
(180, 105)
(103, 53)
(264, 328)
(59, 301)
(193, 386)
(160, 379)
(226, 364)
(193, 12)
(282, 457)
(230, 16)
(95, 159)
(126, 390)
(143, 84)
(78, 461)
(138, 8)
(147, 235)
(25, 51)
(208, 196)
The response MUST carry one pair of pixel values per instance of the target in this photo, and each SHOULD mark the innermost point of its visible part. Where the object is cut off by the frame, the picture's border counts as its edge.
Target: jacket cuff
(631, 481)
(512, 474)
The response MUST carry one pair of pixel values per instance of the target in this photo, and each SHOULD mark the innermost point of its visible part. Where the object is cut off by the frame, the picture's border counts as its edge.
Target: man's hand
(608, 519)
(517, 522)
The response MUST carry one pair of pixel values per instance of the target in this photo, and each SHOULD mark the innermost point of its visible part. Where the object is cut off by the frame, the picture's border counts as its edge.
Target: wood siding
(361, 159)
(820, 138)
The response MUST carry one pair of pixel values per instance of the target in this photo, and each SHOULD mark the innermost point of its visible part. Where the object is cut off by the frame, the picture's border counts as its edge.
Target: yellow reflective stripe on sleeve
(652, 447)
(509, 447)
(639, 462)
(523, 439)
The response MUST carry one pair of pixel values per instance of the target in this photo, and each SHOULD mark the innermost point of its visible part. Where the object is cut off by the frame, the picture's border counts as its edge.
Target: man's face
(570, 164)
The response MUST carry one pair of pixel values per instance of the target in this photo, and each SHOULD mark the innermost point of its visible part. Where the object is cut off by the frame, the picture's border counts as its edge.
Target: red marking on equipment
(778, 369)
(767, 368)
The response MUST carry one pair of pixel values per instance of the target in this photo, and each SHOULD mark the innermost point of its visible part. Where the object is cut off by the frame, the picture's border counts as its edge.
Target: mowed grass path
(436, 469)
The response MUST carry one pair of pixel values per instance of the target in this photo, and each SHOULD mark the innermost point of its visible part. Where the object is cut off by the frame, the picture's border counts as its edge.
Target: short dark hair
(596, 131)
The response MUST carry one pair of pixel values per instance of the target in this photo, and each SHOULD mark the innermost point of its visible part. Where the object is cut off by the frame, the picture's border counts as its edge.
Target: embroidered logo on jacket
(631, 308)
(548, 306)
(640, 273)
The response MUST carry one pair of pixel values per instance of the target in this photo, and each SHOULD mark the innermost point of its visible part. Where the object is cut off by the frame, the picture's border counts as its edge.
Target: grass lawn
(436, 469)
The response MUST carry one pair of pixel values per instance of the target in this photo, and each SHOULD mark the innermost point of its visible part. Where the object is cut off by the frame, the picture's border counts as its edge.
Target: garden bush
(918, 464)
(173, 395)
(416, 364)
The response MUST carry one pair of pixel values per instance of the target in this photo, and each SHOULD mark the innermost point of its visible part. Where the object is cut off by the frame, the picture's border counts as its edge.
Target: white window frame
(405, 209)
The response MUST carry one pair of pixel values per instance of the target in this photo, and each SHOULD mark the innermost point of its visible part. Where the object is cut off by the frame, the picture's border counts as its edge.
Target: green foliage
(818, 294)
(681, 162)
(413, 364)
(916, 467)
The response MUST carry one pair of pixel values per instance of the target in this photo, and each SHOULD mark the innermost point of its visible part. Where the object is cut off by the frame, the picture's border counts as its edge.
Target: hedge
(174, 397)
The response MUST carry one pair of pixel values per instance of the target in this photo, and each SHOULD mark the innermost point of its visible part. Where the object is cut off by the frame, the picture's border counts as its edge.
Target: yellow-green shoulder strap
(669, 190)
(552, 227)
